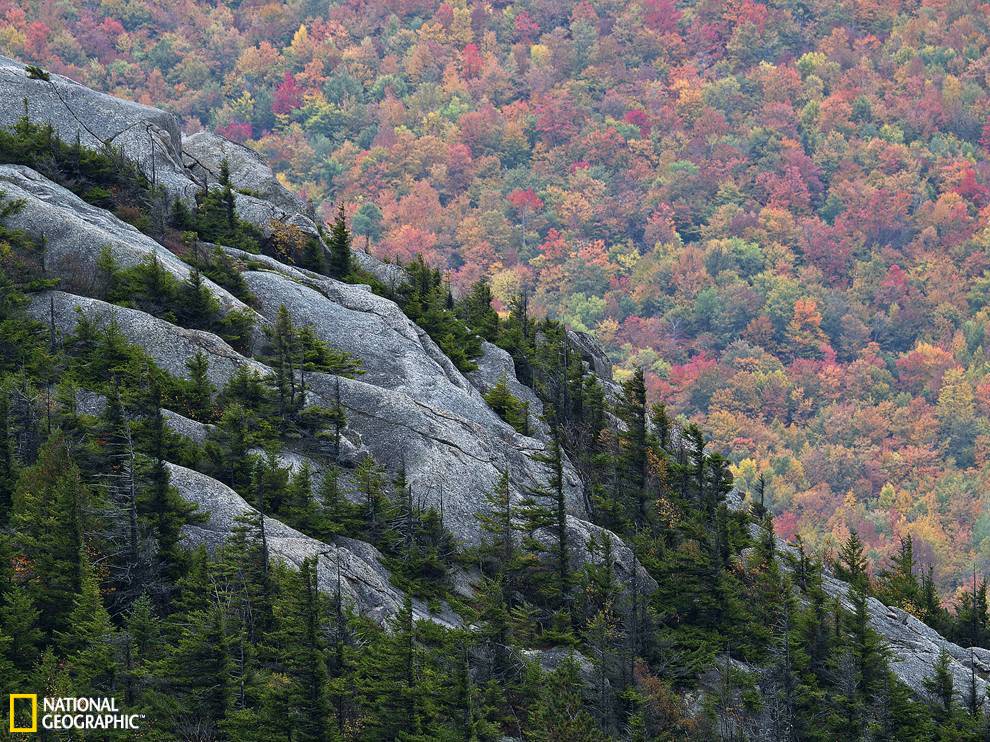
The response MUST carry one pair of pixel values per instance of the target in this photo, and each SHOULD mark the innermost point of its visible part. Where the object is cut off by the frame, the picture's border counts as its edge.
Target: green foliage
(426, 300)
(340, 247)
(150, 287)
(36, 73)
(508, 407)
(103, 177)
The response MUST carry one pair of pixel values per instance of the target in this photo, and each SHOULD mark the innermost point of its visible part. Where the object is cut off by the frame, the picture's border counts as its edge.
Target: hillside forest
(723, 634)
(778, 210)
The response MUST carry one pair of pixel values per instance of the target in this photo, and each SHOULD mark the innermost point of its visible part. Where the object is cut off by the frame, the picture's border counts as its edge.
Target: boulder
(393, 277)
(146, 136)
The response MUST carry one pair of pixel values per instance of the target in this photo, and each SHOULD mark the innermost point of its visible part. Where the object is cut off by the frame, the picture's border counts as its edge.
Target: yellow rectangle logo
(33, 697)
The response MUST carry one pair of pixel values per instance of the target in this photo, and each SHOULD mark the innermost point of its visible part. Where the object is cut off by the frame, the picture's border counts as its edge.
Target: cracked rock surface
(75, 233)
(203, 153)
(147, 136)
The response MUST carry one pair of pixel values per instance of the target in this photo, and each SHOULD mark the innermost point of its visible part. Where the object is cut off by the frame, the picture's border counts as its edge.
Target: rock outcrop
(203, 153)
(146, 136)
(496, 364)
(364, 580)
(915, 646)
(75, 233)
(452, 457)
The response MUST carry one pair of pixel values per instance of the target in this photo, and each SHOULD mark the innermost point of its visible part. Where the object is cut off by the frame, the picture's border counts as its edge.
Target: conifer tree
(546, 508)
(633, 447)
(20, 629)
(339, 264)
(507, 406)
(475, 309)
(48, 521)
(940, 687)
(87, 642)
(850, 564)
(557, 713)
(200, 398)
(299, 636)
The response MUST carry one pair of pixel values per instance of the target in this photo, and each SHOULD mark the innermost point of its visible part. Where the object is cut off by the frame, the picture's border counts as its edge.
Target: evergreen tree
(200, 397)
(475, 309)
(507, 406)
(546, 508)
(48, 521)
(558, 713)
(633, 448)
(339, 264)
(940, 687)
(300, 638)
(88, 641)
(850, 564)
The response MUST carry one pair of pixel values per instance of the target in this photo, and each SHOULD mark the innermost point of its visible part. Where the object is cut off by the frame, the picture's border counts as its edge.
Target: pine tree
(164, 508)
(228, 193)
(475, 309)
(633, 448)
(20, 627)
(143, 647)
(198, 666)
(284, 357)
(299, 637)
(898, 585)
(546, 508)
(558, 713)
(498, 522)
(196, 305)
(386, 681)
(200, 396)
(940, 687)
(850, 564)
(507, 406)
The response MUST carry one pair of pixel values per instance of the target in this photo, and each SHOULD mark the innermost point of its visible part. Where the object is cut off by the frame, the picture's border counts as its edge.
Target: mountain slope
(412, 416)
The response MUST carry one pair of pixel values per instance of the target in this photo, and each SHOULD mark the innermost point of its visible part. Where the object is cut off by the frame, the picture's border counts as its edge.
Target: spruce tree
(48, 521)
(339, 264)
(850, 564)
(88, 641)
(633, 448)
(546, 508)
(940, 687)
(558, 713)
(200, 396)
(299, 636)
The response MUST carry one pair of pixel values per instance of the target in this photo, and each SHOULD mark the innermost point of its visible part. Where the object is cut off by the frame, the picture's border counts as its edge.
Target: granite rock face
(75, 233)
(168, 345)
(451, 457)
(364, 581)
(146, 136)
(496, 364)
(203, 153)
(915, 646)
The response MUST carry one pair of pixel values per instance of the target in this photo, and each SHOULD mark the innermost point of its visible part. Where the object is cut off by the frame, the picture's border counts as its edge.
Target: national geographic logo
(18, 700)
(68, 713)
